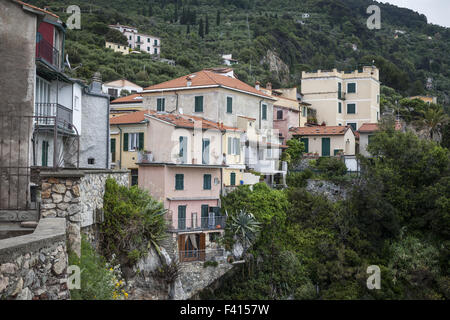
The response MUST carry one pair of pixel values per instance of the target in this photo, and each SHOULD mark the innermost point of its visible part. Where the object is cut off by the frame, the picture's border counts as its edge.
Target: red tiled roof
(133, 117)
(36, 8)
(369, 127)
(319, 130)
(132, 98)
(207, 78)
(188, 121)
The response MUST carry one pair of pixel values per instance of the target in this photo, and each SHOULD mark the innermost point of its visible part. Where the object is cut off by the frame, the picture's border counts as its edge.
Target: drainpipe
(120, 146)
(108, 147)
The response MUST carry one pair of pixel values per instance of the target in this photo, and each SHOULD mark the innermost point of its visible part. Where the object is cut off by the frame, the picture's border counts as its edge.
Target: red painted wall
(47, 30)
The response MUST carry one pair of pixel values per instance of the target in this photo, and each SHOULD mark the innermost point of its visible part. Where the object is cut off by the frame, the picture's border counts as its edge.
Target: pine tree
(206, 25)
(150, 9)
(201, 31)
(218, 18)
(188, 30)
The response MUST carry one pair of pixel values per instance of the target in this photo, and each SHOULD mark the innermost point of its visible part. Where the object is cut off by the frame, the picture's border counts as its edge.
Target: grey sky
(436, 11)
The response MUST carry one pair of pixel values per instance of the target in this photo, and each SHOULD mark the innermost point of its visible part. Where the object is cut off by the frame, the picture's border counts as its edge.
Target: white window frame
(162, 98)
(356, 88)
(346, 107)
(133, 141)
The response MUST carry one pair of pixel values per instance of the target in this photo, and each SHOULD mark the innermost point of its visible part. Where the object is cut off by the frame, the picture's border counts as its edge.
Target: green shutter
(182, 217)
(264, 112)
(233, 179)
(113, 150)
(44, 153)
(207, 181)
(179, 181)
(125, 142)
(205, 215)
(351, 87)
(325, 147)
(340, 107)
(141, 141)
(199, 104)
(351, 108)
(339, 90)
(306, 143)
(229, 105)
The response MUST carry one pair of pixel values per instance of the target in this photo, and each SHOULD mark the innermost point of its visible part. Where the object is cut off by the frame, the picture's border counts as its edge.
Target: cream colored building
(326, 140)
(123, 49)
(343, 98)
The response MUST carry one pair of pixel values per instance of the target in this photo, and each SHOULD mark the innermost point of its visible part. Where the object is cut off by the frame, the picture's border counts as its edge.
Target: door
(205, 210)
(306, 143)
(181, 217)
(325, 147)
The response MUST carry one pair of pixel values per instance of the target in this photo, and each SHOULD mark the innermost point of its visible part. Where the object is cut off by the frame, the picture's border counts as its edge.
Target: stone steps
(13, 229)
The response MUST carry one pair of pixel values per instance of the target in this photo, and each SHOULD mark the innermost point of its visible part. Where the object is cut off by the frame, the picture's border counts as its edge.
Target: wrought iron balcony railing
(203, 223)
(201, 254)
(45, 51)
(45, 111)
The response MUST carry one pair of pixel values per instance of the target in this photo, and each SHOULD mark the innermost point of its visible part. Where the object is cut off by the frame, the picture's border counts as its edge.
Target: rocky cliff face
(278, 68)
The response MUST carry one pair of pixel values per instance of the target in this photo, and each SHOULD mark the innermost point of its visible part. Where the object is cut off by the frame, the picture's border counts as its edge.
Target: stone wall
(77, 196)
(332, 191)
(34, 266)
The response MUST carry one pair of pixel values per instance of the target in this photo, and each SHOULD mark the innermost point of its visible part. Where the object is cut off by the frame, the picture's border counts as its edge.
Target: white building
(139, 41)
(228, 59)
(114, 88)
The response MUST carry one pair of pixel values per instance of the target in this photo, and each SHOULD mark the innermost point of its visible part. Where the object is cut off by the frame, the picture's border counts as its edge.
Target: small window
(91, 161)
(134, 177)
(351, 87)
(232, 178)
(351, 108)
(264, 111)
(339, 107)
(160, 104)
(352, 124)
(304, 111)
(279, 114)
(199, 104)
(148, 39)
(339, 90)
(156, 42)
(134, 142)
(229, 105)
(207, 181)
(155, 51)
(179, 181)
(148, 49)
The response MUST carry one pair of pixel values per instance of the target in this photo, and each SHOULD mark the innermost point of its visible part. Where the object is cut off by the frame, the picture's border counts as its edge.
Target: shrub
(134, 222)
(298, 179)
(99, 280)
(331, 167)
(210, 264)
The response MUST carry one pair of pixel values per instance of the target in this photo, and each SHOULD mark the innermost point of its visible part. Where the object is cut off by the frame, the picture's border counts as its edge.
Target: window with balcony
(133, 141)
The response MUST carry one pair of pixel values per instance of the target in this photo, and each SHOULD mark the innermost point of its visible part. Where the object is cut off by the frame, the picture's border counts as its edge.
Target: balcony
(200, 224)
(49, 54)
(48, 112)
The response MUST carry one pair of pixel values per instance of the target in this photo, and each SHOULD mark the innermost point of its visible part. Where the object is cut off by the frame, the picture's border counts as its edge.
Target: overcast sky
(436, 11)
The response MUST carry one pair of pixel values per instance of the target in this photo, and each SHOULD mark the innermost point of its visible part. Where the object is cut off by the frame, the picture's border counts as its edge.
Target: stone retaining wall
(34, 266)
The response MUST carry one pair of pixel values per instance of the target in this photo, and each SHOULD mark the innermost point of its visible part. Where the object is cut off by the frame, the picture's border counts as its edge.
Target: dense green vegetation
(249, 28)
(396, 217)
(134, 223)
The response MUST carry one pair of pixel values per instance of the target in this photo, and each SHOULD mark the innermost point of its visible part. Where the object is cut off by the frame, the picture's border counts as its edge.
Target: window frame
(349, 83)
(200, 98)
(230, 110)
(207, 181)
(179, 177)
(163, 104)
(349, 123)
(263, 111)
(352, 103)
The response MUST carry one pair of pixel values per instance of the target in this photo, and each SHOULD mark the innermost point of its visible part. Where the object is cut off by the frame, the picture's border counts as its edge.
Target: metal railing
(48, 53)
(48, 112)
(200, 255)
(203, 223)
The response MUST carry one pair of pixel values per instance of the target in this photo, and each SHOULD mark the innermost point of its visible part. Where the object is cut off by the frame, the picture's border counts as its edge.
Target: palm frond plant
(245, 228)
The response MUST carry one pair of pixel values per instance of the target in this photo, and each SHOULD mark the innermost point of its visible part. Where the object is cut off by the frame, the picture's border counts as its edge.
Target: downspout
(108, 141)
(120, 147)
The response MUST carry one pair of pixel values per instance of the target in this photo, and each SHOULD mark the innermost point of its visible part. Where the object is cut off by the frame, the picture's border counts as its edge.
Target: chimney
(257, 85)
(269, 86)
(189, 81)
(96, 84)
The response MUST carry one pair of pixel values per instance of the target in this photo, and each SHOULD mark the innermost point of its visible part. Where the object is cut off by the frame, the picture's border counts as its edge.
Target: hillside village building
(127, 104)
(139, 41)
(115, 88)
(343, 98)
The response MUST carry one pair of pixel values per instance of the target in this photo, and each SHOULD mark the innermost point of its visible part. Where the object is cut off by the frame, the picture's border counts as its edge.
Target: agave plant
(245, 227)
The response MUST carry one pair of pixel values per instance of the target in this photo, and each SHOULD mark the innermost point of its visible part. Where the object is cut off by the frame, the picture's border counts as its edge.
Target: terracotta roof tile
(36, 8)
(319, 130)
(188, 121)
(132, 98)
(129, 118)
(369, 127)
(207, 78)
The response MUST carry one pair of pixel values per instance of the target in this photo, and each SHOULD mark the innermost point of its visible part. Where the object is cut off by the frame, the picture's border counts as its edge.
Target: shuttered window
(160, 104)
(207, 181)
(183, 149)
(264, 112)
(179, 181)
(125, 142)
(232, 178)
(199, 104)
(351, 87)
(340, 107)
(229, 105)
(44, 153)
(351, 108)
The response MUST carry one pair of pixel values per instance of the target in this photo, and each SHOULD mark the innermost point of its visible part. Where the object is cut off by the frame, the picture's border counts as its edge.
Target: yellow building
(127, 137)
(117, 47)
(426, 99)
(343, 98)
(127, 104)
(234, 158)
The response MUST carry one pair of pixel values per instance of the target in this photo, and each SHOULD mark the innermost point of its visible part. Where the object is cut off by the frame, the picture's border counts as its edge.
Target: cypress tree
(201, 31)
(206, 25)
(218, 18)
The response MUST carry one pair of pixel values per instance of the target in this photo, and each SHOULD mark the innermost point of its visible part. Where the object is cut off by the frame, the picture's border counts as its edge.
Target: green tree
(201, 30)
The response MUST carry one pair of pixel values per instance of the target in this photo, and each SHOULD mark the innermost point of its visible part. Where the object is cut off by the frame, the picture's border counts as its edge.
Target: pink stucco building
(182, 166)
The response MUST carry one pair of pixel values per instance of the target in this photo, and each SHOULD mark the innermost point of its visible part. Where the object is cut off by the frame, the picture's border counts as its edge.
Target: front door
(325, 147)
